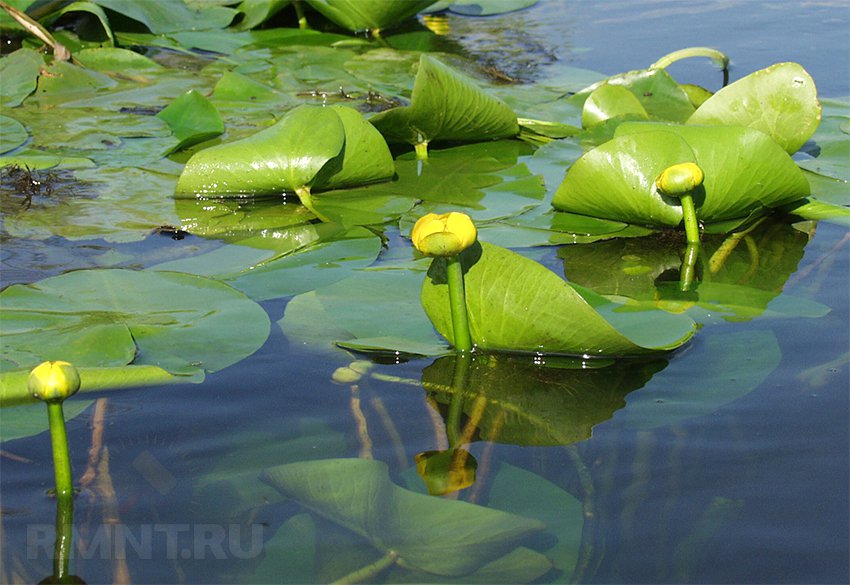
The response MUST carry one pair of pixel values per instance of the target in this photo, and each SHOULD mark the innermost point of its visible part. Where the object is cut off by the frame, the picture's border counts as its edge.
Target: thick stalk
(457, 301)
(306, 198)
(64, 535)
(61, 459)
(689, 214)
(689, 263)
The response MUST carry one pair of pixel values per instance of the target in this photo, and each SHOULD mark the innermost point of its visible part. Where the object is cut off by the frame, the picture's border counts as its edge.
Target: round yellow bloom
(54, 381)
(443, 235)
(679, 179)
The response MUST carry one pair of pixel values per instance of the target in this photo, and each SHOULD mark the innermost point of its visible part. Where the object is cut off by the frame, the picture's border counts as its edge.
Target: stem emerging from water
(370, 571)
(690, 216)
(61, 459)
(457, 301)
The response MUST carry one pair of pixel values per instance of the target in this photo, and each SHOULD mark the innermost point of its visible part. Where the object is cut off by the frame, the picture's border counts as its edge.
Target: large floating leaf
(352, 313)
(19, 72)
(310, 147)
(445, 537)
(780, 100)
(512, 399)
(360, 15)
(446, 106)
(104, 318)
(516, 304)
(13, 132)
(165, 16)
(745, 171)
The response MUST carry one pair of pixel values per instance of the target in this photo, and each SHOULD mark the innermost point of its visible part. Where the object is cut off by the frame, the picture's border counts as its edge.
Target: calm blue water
(752, 490)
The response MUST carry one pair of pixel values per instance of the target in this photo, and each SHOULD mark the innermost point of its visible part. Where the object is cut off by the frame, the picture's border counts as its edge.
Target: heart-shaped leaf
(446, 105)
(516, 304)
(360, 15)
(745, 171)
(192, 119)
(310, 147)
(780, 100)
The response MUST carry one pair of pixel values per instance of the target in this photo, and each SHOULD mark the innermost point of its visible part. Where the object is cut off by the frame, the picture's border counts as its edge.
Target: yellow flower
(679, 179)
(54, 381)
(443, 235)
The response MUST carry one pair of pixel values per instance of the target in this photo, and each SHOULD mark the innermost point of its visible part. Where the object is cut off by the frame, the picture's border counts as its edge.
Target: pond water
(725, 462)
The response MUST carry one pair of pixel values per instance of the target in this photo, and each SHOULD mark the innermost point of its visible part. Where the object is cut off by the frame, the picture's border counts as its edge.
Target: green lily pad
(192, 119)
(745, 171)
(360, 15)
(13, 132)
(480, 7)
(256, 12)
(352, 313)
(167, 16)
(181, 323)
(517, 401)
(19, 71)
(446, 105)
(780, 100)
(516, 304)
(310, 147)
(446, 537)
(610, 101)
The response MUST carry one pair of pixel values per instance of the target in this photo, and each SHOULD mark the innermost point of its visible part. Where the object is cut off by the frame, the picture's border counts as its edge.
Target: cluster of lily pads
(472, 152)
(286, 172)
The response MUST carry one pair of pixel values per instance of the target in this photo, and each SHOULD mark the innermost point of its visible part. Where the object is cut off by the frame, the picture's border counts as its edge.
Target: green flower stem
(718, 57)
(61, 459)
(368, 573)
(457, 300)
(689, 213)
(62, 548)
(299, 12)
(689, 263)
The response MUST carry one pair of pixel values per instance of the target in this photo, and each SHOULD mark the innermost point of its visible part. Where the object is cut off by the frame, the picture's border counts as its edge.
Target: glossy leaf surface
(360, 15)
(780, 100)
(446, 105)
(516, 304)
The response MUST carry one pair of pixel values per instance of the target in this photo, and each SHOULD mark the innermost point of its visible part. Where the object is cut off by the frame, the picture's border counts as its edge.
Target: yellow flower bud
(54, 381)
(448, 234)
(679, 179)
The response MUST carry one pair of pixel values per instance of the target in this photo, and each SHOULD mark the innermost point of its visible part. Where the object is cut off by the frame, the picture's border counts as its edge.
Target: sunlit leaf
(780, 100)
(360, 15)
(610, 101)
(480, 7)
(446, 537)
(446, 105)
(192, 119)
(516, 304)
(256, 12)
(117, 60)
(312, 147)
(744, 171)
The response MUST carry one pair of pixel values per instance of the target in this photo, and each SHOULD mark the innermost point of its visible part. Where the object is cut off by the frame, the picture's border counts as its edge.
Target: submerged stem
(370, 571)
(457, 301)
